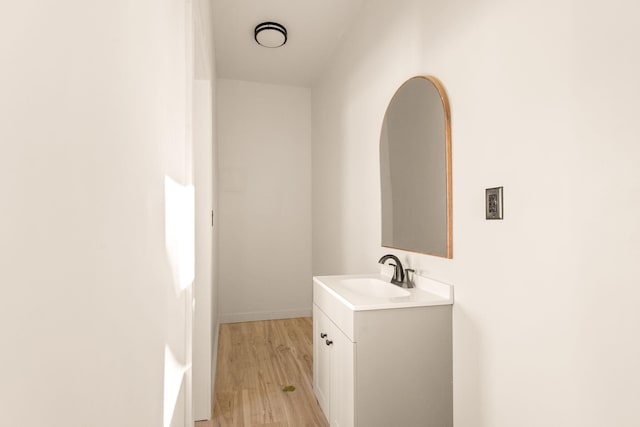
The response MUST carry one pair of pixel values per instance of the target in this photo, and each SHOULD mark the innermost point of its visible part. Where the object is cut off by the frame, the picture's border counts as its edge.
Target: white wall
(205, 328)
(93, 153)
(544, 97)
(264, 139)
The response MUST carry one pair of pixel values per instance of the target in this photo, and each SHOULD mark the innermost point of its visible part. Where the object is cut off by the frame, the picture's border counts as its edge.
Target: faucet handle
(409, 281)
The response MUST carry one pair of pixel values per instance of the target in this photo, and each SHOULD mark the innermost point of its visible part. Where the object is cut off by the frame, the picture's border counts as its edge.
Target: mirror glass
(415, 169)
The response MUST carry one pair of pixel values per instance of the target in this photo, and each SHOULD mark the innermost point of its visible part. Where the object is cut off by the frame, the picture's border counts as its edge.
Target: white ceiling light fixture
(270, 34)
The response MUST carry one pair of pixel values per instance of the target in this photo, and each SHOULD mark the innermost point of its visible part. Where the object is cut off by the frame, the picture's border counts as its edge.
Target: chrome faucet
(398, 274)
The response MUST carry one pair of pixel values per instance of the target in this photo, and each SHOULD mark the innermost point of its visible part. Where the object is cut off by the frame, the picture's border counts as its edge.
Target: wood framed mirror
(415, 169)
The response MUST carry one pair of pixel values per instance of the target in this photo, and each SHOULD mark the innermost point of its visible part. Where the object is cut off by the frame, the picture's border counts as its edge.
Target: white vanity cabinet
(389, 366)
(333, 357)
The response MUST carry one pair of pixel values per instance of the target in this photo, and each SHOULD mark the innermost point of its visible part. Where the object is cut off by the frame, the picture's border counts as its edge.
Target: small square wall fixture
(493, 203)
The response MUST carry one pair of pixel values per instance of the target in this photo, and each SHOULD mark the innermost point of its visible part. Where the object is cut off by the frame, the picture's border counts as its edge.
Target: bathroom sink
(375, 292)
(374, 287)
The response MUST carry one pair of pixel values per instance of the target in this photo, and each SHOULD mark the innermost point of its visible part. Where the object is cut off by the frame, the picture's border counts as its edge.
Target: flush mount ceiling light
(270, 34)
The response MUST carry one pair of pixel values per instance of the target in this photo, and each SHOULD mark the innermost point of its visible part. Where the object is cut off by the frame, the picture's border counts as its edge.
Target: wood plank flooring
(255, 361)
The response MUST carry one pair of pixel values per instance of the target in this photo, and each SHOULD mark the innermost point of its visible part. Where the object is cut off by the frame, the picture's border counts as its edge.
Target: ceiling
(314, 27)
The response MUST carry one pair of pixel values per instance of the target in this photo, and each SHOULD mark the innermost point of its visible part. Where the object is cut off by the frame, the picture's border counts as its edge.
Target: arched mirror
(415, 169)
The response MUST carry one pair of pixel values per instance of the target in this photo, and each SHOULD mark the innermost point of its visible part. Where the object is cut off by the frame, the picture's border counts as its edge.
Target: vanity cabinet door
(322, 327)
(333, 373)
(342, 380)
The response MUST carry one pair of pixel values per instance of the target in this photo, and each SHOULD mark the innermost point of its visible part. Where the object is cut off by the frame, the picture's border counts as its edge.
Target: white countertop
(427, 292)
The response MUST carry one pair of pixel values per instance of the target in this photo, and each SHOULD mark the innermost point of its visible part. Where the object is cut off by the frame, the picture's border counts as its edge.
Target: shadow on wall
(327, 171)
(180, 247)
(468, 356)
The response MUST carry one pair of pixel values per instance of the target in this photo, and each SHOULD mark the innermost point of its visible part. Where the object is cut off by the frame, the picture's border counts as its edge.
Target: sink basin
(359, 292)
(374, 287)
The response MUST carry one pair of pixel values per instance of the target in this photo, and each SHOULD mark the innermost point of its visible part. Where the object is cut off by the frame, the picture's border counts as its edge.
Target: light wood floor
(255, 361)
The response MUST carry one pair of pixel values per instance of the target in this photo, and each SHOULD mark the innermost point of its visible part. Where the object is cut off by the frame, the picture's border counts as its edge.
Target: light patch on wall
(173, 376)
(180, 232)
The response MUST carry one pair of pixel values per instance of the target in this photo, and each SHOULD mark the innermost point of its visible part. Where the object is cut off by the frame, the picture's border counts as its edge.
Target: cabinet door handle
(323, 335)
(328, 342)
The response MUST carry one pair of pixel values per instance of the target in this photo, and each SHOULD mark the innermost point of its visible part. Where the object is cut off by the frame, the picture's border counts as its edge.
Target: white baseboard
(264, 315)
